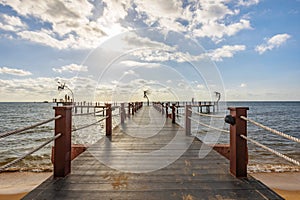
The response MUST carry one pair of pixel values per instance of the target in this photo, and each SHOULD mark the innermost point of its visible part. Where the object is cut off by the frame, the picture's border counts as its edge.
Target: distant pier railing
(62, 146)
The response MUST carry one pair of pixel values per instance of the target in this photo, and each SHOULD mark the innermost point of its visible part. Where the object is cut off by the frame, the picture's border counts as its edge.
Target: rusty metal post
(188, 115)
(238, 145)
(173, 113)
(108, 121)
(122, 113)
(62, 145)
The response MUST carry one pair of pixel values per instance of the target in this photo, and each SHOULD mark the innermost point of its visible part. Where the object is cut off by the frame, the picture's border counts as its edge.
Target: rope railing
(207, 115)
(238, 140)
(29, 153)
(2, 135)
(91, 113)
(208, 126)
(271, 130)
(86, 126)
(63, 129)
(180, 115)
(271, 150)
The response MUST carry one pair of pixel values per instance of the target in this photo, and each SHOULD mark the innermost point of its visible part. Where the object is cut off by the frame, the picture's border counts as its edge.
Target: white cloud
(11, 23)
(248, 2)
(84, 24)
(15, 72)
(71, 68)
(131, 63)
(217, 30)
(130, 72)
(273, 42)
(71, 22)
(225, 51)
(243, 85)
(163, 12)
(28, 89)
(44, 38)
(149, 55)
(200, 86)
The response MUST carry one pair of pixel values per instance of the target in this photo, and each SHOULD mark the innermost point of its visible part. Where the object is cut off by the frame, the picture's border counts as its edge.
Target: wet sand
(286, 184)
(12, 196)
(15, 185)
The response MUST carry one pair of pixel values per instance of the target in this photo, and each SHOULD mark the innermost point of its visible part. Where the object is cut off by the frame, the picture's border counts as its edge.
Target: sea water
(18, 115)
(282, 116)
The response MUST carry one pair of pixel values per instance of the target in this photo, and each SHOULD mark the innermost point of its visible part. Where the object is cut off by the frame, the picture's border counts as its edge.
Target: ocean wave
(255, 168)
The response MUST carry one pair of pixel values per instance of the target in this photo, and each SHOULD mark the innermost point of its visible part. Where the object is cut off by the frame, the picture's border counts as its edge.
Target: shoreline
(15, 185)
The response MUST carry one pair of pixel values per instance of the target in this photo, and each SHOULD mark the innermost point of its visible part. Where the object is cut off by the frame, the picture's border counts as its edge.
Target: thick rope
(2, 135)
(180, 115)
(208, 115)
(82, 114)
(272, 150)
(208, 126)
(86, 126)
(272, 130)
(29, 153)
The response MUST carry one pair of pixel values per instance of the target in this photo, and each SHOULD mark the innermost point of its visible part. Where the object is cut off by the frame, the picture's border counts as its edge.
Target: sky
(111, 50)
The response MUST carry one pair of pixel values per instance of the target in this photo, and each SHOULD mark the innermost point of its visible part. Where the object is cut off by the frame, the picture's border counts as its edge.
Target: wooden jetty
(188, 178)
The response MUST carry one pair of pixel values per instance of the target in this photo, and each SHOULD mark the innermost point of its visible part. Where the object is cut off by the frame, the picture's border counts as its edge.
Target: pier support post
(123, 114)
(238, 145)
(188, 115)
(108, 121)
(173, 113)
(75, 107)
(62, 145)
(167, 109)
(129, 107)
(132, 106)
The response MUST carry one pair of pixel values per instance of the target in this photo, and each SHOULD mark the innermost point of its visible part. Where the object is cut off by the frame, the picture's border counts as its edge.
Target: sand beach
(15, 185)
(286, 184)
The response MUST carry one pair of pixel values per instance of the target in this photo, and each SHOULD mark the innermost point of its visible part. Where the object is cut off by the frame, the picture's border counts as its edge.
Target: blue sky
(111, 51)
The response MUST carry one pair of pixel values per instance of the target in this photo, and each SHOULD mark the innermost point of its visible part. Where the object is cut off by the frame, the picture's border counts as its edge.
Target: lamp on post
(62, 86)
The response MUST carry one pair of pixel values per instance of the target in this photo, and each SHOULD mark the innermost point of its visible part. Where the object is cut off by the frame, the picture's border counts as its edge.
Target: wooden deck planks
(189, 177)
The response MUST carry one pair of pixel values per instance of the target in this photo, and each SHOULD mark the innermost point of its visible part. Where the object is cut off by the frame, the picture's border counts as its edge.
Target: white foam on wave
(255, 168)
